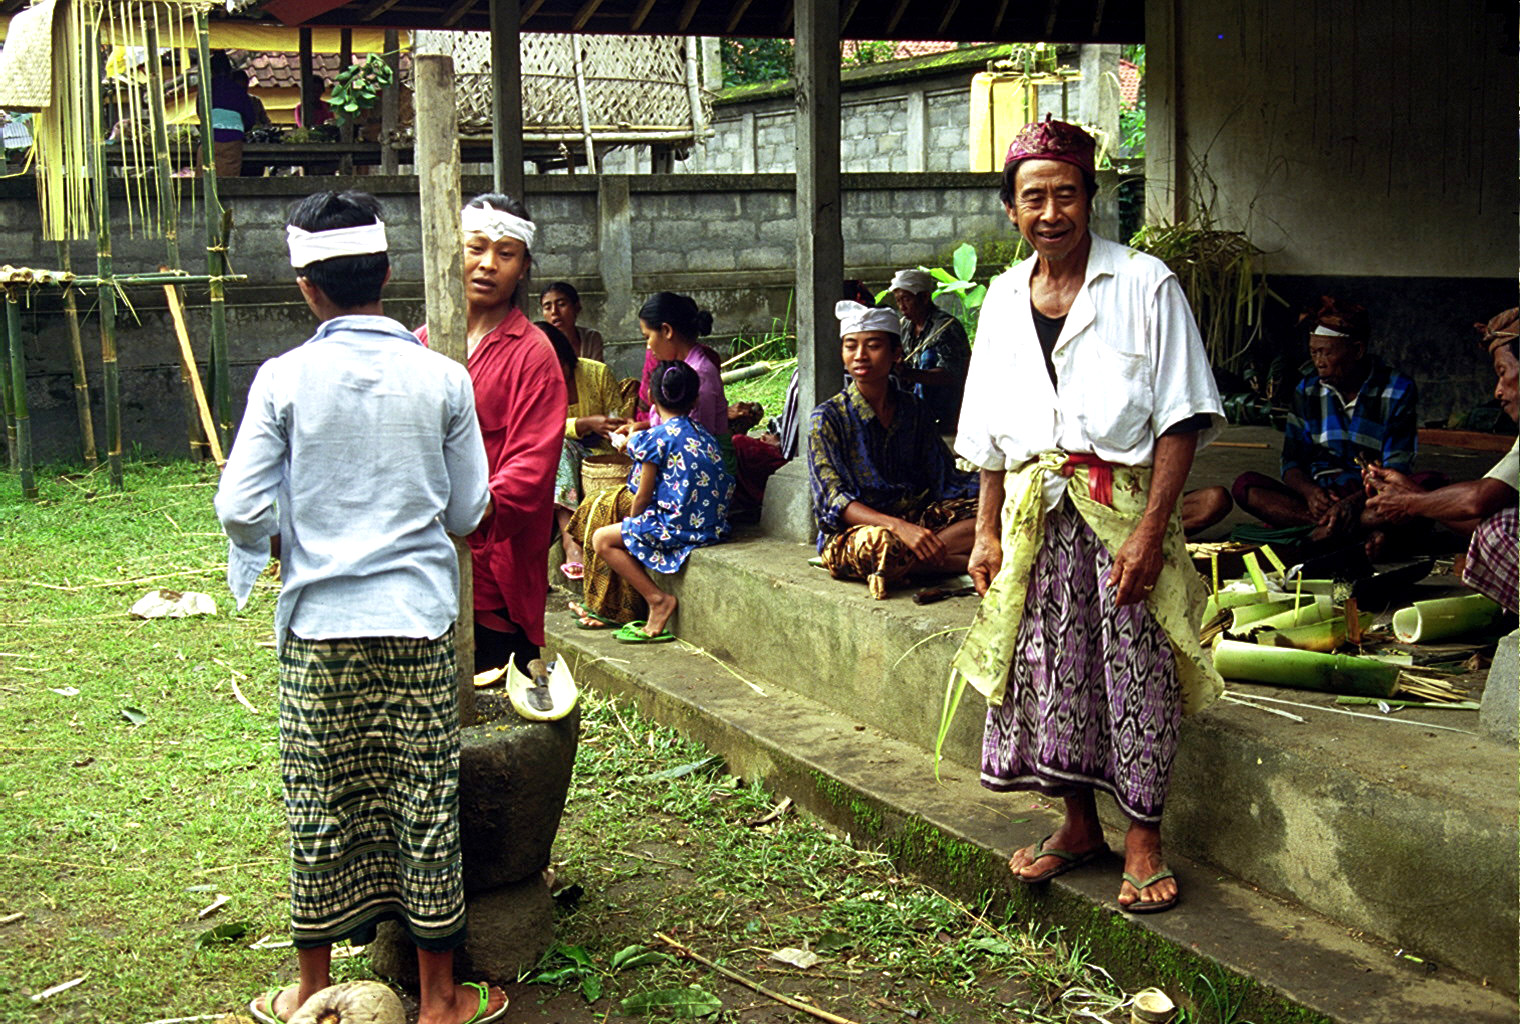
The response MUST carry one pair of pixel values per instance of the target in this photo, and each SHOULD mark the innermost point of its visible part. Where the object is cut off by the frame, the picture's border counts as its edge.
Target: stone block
(890, 142)
(1499, 716)
(508, 929)
(931, 228)
(513, 777)
(786, 513)
(915, 201)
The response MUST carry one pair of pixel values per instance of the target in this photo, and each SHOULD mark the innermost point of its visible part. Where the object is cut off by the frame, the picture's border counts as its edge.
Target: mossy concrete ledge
(1284, 964)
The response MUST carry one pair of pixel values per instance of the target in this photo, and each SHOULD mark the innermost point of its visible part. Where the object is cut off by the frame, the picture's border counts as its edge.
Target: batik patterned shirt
(892, 469)
(943, 345)
(1324, 434)
(691, 498)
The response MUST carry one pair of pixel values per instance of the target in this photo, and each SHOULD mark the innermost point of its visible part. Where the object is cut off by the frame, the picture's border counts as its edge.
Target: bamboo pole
(583, 101)
(18, 393)
(168, 225)
(437, 159)
(13, 457)
(1305, 670)
(218, 227)
(76, 364)
(104, 267)
(346, 127)
(187, 363)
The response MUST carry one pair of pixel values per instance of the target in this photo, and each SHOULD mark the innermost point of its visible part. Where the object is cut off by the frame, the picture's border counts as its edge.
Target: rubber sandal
(267, 1016)
(1069, 861)
(581, 612)
(481, 1017)
(1149, 906)
(573, 571)
(633, 633)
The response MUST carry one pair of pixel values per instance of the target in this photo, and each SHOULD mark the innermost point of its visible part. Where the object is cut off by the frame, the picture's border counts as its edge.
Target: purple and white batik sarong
(1093, 698)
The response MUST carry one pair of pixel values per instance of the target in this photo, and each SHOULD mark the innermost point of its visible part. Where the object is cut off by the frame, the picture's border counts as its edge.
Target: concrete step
(1401, 833)
(1283, 963)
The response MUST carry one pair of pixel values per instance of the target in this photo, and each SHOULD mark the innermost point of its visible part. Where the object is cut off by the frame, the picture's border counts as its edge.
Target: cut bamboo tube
(192, 374)
(1304, 670)
(18, 394)
(1247, 614)
(1318, 611)
(76, 364)
(1443, 618)
(1322, 636)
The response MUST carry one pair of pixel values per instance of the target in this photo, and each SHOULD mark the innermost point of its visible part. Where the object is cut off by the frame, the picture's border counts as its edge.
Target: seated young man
(886, 493)
(1353, 410)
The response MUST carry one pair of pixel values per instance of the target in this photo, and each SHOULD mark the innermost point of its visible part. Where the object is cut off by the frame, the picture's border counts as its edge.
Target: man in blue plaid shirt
(1355, 410)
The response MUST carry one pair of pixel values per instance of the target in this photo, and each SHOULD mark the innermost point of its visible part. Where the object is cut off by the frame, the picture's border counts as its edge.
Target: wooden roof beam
(455, 14)
(949, 13)
(1098, 18)
(581, 16)
(645, 6)
(733, 19)
(897, 15)
(1050, 19)
(849, 12)
(688, 11)
(997, 23)
(529, 11)
(376, 9)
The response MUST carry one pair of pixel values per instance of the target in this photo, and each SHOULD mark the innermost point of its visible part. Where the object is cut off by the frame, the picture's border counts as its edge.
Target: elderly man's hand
(1137, 564)
(1378, 480)
(924, 543)
(985, 561)
(1320, 502)
(1392, 504)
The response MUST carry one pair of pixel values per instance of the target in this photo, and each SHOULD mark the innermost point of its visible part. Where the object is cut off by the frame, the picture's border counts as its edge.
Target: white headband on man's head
(1328, 332)
(854, 318)
(496, 224)
(307, 247)
(915, 281)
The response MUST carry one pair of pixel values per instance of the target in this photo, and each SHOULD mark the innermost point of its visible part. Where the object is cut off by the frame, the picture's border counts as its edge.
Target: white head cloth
(915, 281)
(1328, 332)
(495, 224)
(308, 247)
(854, 318)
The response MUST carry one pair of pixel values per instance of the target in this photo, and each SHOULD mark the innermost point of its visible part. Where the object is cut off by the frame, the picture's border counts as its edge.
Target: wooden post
(820, 239)
(346, 129)
(390, 104)
(76, 365)
(506, 97)
(1165, 145)
(218, 227)
(18, 394)
(104, 266)
(308, 105)
(437, 159)
(13, 456)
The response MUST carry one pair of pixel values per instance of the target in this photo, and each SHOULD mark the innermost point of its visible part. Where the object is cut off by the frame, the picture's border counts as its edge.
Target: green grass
(113, 836)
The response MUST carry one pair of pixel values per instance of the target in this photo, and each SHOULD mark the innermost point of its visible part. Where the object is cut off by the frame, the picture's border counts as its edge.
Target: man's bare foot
(284, 1003)
(587, 619)
(1142, 861)
(660, 610)
(1079, 839)
(464, 1006)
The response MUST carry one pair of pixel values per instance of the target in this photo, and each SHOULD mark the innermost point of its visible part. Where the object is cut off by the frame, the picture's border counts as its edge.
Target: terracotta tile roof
(1129, 85)
(902, 50)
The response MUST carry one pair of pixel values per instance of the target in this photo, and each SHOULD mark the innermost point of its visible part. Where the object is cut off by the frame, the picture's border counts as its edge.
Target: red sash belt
(1100, 475)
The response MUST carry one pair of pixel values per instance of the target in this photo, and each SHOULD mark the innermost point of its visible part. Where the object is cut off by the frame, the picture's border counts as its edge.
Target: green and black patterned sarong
(369, 751)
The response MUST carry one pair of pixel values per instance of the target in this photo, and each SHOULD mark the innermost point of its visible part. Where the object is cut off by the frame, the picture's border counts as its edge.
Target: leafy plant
(750, 61)
(565, 965)
(958, 283)
(358, 86)
(872, 51)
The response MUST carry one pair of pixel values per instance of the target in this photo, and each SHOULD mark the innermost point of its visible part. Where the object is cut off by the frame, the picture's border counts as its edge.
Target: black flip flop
(1069, 861)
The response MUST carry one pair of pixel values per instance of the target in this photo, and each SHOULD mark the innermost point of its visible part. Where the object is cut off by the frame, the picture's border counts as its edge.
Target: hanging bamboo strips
(76, 365)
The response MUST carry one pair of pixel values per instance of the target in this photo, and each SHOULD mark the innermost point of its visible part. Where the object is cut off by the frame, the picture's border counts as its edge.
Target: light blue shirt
(361, 450)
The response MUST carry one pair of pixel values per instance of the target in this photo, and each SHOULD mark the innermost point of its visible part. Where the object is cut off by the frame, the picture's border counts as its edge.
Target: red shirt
(520, 399)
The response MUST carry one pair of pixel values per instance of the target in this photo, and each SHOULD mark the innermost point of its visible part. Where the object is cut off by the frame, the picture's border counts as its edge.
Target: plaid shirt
(852, 457)
(1323, 435)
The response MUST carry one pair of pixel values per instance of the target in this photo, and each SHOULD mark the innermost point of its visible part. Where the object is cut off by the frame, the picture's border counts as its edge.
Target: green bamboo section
(18, 394)
(217, 230)
(1305, 670)
(76, 365)
(1443, 618)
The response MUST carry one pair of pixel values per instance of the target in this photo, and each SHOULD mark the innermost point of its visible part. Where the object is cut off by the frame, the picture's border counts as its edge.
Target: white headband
(854, 318)
(916, 281)
(308, 247)
(1327, 332)
(495, 224)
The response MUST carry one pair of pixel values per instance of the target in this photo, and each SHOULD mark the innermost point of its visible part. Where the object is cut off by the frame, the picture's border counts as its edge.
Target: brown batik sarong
(876, 555)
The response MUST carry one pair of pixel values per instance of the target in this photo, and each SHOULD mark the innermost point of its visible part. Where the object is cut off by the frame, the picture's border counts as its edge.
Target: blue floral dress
(691, 499)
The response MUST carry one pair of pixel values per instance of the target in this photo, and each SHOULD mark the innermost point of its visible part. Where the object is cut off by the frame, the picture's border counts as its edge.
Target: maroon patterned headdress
(1501, 330)
(1052, 140)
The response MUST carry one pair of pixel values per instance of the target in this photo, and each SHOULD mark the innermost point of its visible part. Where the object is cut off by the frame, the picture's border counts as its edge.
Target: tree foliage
(748, 61)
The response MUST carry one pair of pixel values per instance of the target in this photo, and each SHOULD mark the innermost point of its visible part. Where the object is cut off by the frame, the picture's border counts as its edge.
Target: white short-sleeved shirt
(1506, 469)
(1129, 362)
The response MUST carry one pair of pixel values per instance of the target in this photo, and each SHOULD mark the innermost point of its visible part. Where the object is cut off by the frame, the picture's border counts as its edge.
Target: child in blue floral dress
(681, 498)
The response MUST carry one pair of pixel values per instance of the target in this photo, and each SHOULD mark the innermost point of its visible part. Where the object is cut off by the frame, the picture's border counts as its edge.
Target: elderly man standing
(935, 348)
(1090, 395)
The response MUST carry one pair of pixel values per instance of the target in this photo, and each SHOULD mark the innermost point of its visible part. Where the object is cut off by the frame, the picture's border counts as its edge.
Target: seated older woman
(1486, 507)
(887, 496)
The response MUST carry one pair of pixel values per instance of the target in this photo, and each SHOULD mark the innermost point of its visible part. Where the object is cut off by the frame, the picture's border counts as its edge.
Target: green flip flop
(481, 1017)
(1069, 861)
(602, 622)
(633, 633)
(270, 1015)
(1149, 906)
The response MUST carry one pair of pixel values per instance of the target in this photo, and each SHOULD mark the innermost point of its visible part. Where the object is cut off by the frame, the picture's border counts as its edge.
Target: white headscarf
(308, 247)
(915, 281)
(495, 224)
(854, 318)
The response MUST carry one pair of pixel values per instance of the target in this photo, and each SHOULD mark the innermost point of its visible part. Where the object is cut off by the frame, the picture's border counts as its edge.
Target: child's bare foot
(660, 610)
(588, 619)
